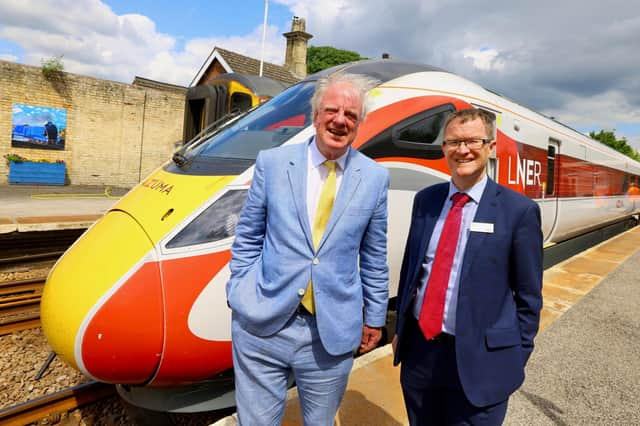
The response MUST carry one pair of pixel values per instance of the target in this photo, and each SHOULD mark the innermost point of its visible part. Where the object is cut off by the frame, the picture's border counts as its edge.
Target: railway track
(20, 304)
(21, 253)
(21, 247)
(56, 403)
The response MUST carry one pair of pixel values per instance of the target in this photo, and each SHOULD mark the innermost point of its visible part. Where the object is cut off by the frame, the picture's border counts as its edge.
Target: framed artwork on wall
(38, 127)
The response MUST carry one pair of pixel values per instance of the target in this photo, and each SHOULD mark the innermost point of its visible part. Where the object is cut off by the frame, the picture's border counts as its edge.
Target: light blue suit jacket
(273, 257)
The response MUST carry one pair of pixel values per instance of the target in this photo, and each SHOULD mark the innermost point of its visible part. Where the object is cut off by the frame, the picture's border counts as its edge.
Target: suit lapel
(349, 184)
(487, 213)
(297, 172)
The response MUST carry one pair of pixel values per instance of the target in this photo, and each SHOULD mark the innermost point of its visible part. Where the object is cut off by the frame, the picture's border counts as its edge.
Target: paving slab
(586, 366)
(585, 369)
(27, 208)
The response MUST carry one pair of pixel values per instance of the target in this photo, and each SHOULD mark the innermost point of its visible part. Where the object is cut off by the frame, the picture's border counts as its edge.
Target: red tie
(433, 304)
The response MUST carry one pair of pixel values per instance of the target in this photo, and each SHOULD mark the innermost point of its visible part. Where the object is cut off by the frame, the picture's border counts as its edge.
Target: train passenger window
(418, 136)
(551, 169)
(420, 129)
(625, 183)
(216, 223)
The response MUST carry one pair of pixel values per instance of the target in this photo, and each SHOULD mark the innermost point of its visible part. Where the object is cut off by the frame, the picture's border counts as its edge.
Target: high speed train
(139, 300)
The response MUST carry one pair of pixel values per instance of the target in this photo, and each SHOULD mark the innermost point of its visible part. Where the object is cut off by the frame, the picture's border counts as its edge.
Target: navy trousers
(431, 386)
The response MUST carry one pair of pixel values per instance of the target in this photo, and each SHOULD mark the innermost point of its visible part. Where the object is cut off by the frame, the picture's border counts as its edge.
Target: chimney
(296, 57)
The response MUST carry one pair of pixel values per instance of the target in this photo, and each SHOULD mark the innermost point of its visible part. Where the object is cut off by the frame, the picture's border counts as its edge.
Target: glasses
(469, 143)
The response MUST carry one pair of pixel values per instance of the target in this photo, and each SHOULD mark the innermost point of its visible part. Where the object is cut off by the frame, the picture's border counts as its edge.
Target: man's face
(337, 120)
(467, 166)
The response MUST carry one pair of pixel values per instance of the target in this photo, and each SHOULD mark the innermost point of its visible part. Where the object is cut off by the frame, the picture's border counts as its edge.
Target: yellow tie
(323, 211)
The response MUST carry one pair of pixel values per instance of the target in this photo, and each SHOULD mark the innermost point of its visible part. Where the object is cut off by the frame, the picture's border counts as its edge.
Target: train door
(549, 201)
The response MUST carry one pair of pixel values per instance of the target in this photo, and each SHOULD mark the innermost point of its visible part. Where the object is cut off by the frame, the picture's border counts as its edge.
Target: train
(139, 299)
(209, 105)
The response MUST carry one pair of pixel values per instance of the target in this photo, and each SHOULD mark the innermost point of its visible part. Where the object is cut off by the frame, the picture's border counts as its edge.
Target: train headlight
(215, 223)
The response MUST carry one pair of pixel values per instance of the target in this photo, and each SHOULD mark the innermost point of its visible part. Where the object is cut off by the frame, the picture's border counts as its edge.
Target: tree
(609, 139)
(322, 57)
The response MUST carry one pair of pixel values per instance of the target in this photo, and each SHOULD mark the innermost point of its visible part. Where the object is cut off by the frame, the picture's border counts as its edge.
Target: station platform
(27, 208)
(585, 368)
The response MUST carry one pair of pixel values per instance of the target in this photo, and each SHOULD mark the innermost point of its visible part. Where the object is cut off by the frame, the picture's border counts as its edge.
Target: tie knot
(460, 199)
(331, 165)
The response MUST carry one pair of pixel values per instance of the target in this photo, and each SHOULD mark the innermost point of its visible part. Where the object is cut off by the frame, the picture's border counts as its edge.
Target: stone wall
(116, 133)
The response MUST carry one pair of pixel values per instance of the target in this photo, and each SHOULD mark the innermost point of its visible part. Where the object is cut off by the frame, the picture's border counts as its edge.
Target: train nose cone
(104, 295)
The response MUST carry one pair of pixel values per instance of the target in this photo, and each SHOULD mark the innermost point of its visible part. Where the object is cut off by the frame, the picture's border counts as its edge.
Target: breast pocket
(359, 212)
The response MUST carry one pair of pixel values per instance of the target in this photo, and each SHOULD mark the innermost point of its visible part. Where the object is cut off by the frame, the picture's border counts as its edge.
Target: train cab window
(217, 222)
(234, 146)
(424, 131)
(625, 183)
(551, 169)
(239, 102)
(419, 136)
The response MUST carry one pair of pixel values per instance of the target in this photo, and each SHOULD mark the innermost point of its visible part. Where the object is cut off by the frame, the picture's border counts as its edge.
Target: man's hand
(370, 338)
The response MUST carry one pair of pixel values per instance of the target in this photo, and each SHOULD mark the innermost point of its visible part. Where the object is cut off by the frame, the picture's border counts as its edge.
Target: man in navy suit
(468, 303)
(309, 274)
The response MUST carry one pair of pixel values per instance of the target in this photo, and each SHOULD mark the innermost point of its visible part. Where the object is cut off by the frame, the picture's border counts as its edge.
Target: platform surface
(27, 208)
(585, 369)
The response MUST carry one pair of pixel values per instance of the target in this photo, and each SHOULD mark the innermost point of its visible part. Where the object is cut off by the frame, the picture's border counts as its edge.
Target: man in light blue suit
(306, 291)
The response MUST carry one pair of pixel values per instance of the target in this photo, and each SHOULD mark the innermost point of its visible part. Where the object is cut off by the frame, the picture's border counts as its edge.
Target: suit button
(301, 292)
(316, 261)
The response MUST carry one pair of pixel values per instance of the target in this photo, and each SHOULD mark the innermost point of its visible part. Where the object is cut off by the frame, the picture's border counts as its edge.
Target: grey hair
(470, 114)
(361, 85)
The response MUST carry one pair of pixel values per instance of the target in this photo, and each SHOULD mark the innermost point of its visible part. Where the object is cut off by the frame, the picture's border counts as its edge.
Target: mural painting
(38, 127)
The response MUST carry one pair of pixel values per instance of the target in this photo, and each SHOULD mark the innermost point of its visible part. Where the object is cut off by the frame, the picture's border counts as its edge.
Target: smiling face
(467, 166)
(337, 119)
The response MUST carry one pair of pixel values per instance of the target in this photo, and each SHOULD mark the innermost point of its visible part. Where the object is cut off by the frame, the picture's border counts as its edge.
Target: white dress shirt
(317, 174)
(451, 298)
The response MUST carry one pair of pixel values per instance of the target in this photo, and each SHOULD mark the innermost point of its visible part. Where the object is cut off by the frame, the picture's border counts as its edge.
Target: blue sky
(199, 18)
(574, 60)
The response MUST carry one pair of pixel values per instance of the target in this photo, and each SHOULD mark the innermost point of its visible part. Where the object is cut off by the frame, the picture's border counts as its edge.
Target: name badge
(481, 227)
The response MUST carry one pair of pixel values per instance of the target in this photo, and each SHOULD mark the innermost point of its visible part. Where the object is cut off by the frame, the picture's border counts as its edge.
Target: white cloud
(8, 57)
(576, 63)
(484, 59)
(634, 141)
(94, 41)
(601, 111)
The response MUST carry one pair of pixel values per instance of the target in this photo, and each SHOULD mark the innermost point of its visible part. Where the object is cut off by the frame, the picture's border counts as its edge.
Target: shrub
(52, 67)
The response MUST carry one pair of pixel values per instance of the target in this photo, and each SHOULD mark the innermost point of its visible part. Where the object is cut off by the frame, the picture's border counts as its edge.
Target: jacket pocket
(502, 337)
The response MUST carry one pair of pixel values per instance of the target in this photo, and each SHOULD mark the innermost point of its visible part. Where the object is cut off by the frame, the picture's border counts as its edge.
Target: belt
(440, 338)
(443, 338)
(301, 310)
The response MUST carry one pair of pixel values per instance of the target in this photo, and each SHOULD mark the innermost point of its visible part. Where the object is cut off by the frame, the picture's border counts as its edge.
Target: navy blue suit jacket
(499, 299)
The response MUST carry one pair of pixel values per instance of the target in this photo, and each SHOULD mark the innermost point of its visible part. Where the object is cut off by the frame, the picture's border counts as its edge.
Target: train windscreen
(236, 146)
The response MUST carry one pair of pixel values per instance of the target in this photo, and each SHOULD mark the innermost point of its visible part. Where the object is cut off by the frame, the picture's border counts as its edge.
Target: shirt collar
(475, 192)
(316, 158)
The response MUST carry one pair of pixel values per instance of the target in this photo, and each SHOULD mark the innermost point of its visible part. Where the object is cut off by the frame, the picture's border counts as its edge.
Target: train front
(139, 300)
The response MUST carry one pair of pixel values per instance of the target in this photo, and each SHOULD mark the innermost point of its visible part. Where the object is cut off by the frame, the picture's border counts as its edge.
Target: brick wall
(116, 133)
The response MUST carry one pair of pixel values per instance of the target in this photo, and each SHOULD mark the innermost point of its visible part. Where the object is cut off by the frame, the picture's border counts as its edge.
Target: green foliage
(52, 67)
(609, 139)
(16, 158)
(323, 57)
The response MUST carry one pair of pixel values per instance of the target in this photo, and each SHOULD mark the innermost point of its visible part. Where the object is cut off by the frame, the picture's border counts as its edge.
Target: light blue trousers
(262, 366)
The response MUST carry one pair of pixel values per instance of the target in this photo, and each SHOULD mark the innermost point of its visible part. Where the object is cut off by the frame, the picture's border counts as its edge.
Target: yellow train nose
(104, 294)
